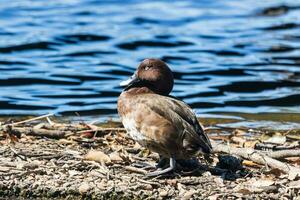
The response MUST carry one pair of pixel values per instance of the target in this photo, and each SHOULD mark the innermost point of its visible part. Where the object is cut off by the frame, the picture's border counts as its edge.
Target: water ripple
(227, 56)
(137, 44)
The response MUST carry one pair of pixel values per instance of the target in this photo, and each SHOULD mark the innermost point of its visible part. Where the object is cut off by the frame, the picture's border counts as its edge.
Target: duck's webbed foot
(162, 163)
(164, 171)
(188, 164)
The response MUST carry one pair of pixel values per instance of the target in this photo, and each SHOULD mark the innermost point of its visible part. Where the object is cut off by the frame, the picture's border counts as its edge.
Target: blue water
(69, 56)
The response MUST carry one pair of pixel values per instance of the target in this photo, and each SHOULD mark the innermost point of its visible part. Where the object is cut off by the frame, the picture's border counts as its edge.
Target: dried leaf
(261, 182)
(254, 185)
(276, 138)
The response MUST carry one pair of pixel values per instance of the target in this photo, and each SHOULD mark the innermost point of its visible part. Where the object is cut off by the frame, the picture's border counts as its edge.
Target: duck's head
(154, 74)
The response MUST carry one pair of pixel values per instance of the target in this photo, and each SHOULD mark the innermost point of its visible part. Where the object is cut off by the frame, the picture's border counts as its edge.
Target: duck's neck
(138, 90)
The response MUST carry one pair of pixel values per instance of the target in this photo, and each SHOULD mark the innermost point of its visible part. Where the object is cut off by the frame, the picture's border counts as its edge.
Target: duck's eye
(147, 68)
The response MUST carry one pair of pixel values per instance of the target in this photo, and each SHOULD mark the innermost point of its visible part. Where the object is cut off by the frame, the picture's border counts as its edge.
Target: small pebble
(148, 187)
(163, 193)
(206, 174)
(84, 188)
(172, 182)
(219, 181)
(188, 195)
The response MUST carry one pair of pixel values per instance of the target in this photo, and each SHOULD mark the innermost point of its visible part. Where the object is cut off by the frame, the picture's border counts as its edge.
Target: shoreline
(48, 159)
(263, 121)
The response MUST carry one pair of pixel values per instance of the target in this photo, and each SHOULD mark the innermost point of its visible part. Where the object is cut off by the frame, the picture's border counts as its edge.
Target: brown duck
(158, 121)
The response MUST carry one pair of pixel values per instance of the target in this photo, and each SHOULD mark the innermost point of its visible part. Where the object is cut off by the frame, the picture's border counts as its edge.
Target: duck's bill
(130, 81)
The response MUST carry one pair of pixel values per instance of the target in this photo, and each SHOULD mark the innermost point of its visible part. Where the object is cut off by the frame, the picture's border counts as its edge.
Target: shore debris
(42, 158)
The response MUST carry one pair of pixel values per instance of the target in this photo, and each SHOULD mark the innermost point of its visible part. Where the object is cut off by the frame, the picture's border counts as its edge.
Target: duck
(158, 121)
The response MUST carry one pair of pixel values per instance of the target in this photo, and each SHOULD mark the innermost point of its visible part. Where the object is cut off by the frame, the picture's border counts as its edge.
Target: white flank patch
(131, 129)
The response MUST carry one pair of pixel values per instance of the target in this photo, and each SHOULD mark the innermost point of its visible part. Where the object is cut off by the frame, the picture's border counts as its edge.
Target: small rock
(65, 141)
(56, 176)
(20, 165)
(32, 165)
(98, 156)
(219, 181)
(163, 193)
(277, 138)
(137, 146)
(171, 182)
(181, 190)
(148, 187)
(189, 194)
(206, 174)
(213, 197)
(102, 185)
(84, 188)
(73, 172)
(294, 184)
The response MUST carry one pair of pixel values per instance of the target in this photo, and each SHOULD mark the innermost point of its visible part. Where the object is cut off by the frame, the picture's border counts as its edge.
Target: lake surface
(235, 58)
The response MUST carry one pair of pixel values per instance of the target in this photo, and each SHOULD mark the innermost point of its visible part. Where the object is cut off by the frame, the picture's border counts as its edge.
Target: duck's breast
(132, 128)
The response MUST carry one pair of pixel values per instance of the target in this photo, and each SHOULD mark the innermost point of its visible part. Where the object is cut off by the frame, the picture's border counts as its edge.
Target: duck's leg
(162, 163)
(160, 172)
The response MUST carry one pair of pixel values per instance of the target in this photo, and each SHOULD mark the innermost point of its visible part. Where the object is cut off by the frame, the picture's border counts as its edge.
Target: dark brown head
(153, 74)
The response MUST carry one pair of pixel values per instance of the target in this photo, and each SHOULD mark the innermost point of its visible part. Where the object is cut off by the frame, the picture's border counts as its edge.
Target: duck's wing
(180, 114)
(189, 116)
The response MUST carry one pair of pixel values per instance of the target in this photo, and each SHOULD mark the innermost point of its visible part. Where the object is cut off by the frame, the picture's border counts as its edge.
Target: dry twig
(283, 153)
(56, 134)
(29, 120)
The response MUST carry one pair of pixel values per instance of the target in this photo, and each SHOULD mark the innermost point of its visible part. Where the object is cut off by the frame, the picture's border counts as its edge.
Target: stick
(264, 146)
(135, 170)
(29, 120)
(49, 121)
(56, 134)
(17, 153)
(102, 129)
(283, 153)
(149, 182)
